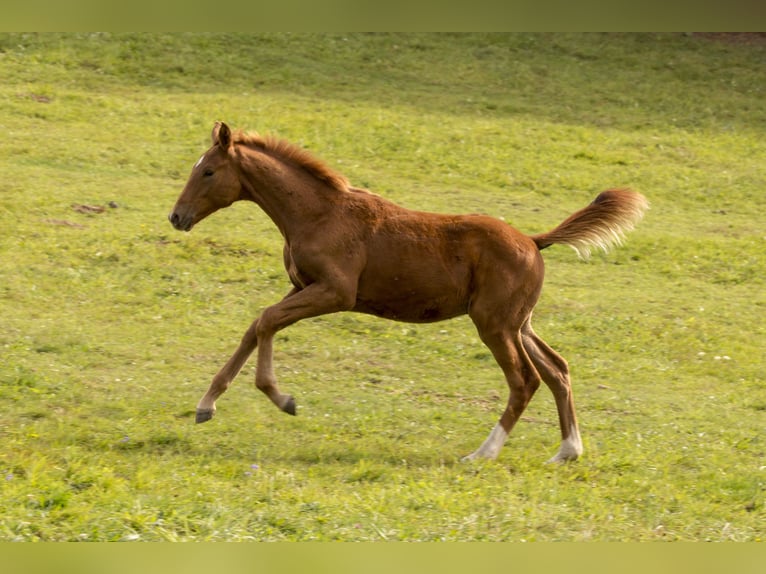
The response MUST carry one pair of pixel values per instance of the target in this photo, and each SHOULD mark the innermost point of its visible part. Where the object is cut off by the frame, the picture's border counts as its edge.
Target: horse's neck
(291, 198)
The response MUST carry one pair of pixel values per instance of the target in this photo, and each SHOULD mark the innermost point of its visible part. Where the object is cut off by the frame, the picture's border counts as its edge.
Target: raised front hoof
(289, 406)
(203, 416)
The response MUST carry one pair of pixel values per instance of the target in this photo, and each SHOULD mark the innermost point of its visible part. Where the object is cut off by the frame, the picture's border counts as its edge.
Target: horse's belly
(413, 297)
(420, 313)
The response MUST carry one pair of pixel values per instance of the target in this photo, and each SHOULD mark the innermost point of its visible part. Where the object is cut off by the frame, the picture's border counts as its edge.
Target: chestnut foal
(347, 249)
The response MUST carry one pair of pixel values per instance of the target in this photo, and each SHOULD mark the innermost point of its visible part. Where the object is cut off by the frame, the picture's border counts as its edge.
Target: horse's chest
(297, 278)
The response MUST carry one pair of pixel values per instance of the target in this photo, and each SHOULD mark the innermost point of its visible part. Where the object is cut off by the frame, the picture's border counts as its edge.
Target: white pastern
(490, 448)
(570, 448)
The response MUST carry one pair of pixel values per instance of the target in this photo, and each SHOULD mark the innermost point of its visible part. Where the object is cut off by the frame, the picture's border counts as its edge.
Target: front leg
(224, 377)
(266, 380)
(316, 299)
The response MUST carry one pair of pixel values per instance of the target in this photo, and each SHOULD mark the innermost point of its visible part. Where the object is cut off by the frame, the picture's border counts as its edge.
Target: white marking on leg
(570, 448)
(490, 448)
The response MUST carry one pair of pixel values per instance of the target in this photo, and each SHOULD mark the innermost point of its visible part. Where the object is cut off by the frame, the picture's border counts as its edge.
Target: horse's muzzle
(181, 223)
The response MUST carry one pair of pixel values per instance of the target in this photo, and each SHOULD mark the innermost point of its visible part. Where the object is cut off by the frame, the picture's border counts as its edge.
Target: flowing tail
(602, 224)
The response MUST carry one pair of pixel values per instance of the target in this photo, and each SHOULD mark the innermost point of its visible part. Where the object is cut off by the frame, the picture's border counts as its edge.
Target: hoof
(204, 416)
(475, 457)
(289, 406)
(561, 458)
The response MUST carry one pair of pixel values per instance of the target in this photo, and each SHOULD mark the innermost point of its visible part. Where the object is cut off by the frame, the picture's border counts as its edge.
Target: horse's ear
(221, 135)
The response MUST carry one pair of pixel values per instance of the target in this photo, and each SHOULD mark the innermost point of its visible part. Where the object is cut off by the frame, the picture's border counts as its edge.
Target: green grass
(113, 323)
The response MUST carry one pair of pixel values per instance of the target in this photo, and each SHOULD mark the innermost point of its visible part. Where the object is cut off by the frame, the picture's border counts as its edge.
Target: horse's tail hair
(602, 224)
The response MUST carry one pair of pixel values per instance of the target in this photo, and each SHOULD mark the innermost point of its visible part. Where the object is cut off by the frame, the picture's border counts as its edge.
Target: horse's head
(212, 185)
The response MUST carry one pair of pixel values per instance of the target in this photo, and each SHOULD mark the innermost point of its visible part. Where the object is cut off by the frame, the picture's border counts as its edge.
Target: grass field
(113, 323)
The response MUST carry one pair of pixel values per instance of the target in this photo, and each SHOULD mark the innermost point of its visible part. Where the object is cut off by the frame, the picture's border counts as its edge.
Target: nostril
(180, 222)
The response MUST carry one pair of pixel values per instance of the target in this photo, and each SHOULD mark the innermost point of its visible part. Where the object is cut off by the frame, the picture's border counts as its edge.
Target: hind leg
(522, 379)
(555, 372)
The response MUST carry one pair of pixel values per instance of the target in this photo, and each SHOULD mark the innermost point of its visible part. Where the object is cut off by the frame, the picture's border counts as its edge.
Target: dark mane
(291, 153)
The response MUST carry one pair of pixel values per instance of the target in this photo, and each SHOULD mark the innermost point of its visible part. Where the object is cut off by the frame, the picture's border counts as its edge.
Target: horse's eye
(208, 172)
